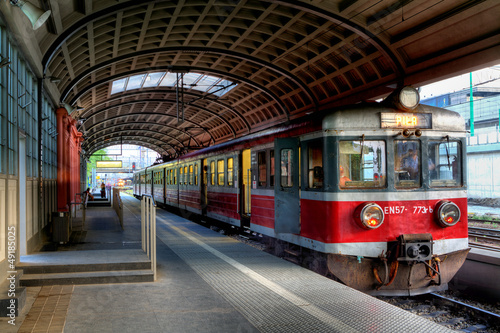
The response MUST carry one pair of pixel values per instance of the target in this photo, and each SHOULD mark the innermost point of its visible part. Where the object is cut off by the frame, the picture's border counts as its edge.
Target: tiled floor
(48, 313)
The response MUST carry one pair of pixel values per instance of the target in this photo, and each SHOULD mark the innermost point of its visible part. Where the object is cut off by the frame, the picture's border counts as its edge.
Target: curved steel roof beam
(191, 49)
(351, 25)
(165, 114)
(157, 149)
(143, 122)
(169, 89)
(90, 136)
(174, 69)
(112, 10)
(92, 142)
(133, 129)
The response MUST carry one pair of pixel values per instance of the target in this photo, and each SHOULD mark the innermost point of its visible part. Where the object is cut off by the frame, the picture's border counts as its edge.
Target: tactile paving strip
(278, 296)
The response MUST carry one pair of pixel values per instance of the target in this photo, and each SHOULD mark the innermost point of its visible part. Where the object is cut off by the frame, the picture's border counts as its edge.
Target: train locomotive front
(390, 209)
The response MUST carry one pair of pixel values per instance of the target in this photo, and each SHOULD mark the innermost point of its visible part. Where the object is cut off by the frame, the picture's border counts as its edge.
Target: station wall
(28, 160)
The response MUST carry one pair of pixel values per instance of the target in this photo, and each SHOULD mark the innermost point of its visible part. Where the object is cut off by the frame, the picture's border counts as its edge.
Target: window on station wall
(212, 173)
(230, 169)
(262, 168)
(220, 172)
(271, 170)
(444, 163)
(407, 165)
(191, 174)
(362, 163)
(315, 165)
(287, 169)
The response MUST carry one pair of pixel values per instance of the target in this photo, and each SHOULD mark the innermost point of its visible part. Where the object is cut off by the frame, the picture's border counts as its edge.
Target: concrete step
(98, 277)
(83, 267)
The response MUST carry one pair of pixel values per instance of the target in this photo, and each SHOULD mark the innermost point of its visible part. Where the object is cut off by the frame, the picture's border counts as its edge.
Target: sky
(490, 76)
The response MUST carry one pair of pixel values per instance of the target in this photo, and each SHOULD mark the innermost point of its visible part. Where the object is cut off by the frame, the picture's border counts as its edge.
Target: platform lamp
(36, 15)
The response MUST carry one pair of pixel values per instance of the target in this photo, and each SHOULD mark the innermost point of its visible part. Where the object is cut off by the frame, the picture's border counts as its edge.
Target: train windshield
(445, 168)
(407, 166)
(362, 164)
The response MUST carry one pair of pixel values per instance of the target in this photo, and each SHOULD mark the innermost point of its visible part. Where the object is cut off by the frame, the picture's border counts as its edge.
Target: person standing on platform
(103, 190)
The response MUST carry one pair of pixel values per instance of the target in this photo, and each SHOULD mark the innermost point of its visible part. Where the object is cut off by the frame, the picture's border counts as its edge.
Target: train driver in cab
(343, 177)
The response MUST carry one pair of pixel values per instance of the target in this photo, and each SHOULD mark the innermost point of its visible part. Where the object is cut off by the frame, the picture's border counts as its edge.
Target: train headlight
(409, 98)
(447, 213)
(369, 215)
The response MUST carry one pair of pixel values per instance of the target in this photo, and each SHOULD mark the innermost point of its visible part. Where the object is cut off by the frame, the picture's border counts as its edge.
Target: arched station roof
(274, 60)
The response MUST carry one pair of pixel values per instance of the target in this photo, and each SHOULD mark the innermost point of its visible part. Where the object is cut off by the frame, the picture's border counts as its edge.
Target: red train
(372, 193)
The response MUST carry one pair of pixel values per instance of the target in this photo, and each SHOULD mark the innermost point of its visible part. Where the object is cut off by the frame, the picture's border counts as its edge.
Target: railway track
(449, 312)
(484, 238)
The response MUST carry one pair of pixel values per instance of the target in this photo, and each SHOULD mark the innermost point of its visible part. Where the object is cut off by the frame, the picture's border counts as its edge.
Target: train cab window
(191, 174)
(407, 166)
(362, 164)
(287, 168)
(212, 173)
(262, 168)
(220, 172)
(271, 176)
(315, 165)
(445, 167)
(230, 168)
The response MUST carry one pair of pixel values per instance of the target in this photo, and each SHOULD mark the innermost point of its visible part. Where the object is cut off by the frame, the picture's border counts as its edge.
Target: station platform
(206, 282)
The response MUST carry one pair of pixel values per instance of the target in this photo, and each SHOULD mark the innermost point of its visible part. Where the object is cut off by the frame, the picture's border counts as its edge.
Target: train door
(286, 193)
(246, 183)
(204, 187)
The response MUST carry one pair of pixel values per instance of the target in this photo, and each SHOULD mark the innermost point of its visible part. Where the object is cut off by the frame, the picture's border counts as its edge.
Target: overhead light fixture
(52, 79)
(36, 15)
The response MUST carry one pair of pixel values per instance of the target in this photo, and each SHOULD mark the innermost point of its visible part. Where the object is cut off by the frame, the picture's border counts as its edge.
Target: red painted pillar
(68, 159)
(61, 115)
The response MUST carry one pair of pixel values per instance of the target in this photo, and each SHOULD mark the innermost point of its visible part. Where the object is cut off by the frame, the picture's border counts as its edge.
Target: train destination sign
(405, 120)
(108, 164)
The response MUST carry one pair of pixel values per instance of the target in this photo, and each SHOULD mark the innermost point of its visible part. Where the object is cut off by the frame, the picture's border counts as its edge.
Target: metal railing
(118, 205)
(74, 205)
(148, 229)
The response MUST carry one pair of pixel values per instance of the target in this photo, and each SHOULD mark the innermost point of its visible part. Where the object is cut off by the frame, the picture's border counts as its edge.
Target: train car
(373, 194)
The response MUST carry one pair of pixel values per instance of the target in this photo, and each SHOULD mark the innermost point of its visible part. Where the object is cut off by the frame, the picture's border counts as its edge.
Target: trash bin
(61, 227)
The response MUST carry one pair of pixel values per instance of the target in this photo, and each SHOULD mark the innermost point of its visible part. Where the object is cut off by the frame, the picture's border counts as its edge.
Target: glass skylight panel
(153, 79)
(169, 80)
(118, 86)
(190, 78)
(200, 82)
(222, 87)
(135, 82)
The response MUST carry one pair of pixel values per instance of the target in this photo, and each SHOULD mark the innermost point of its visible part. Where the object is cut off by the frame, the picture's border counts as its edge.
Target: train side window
(271, 171)
(287, 168)
(212, 173)
(196, 174)
(175, 176)
(185, 175)
(315, 165)
(362, 164)
(445, 167)
(407, 166)
(190, 174)
(220, 172)
(230, 166)
(181, 175)
(262, 168)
